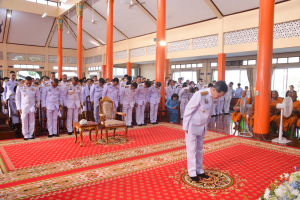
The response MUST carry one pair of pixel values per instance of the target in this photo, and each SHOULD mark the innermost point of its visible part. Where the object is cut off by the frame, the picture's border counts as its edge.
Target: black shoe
(140, 125)
(130, 126)
(153, 123)
(70, 133)
(25, 138)
(144, 124)
(32, 138)
(226, 113)
(195, 178)
(213, 115)
(181, 118)
(55, 135)
(203, 175)
(49, 136)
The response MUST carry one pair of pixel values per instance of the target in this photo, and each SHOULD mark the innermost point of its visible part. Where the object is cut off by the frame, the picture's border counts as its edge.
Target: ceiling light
(9, 13)
(162, 43)
(44, 15)
(68, 32)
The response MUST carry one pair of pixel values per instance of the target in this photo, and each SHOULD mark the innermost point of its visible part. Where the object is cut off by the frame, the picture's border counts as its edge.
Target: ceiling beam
(71, 30)
(84, 31)
(51, 33)
(6, 28)
(214, 8)
(116, 29)
(145, 11)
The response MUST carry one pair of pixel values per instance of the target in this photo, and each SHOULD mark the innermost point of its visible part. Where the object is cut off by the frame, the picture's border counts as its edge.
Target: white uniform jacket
(170, 90)
(154, 95)
(51, 97)
(28, 98)
(142, 95)
(9, 88)
(72, 96)
(128, 96)
(96, 92)
(112, 92)
(198, 112)
(185, 95)
(86, 92)
(228, 95)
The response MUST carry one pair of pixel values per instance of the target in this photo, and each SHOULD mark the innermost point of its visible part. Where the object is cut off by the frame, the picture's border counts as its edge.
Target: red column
(167, 68)
(129, 68)
(221, 66)
(104, 71)
(59, 47)
(160, 50)
(264, 67)
(109, 39)
(79, 10)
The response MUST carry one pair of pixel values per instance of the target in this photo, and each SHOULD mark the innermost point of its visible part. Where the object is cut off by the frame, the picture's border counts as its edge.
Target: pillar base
(261, 137)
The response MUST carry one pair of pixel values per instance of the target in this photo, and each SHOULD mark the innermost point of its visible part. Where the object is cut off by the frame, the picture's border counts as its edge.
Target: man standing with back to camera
(196, 117)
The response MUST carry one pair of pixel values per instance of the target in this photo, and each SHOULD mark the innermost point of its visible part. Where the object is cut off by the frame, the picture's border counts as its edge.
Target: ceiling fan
(131, 3)
(93, 10)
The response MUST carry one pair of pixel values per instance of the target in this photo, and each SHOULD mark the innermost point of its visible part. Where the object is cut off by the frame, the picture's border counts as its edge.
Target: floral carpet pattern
(240, 169)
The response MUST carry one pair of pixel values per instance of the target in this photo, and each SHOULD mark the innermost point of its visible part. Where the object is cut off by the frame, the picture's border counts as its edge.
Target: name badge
(49, 90)
(206, 101)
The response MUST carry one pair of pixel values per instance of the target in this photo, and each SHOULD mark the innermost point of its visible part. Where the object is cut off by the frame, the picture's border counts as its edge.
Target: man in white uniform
(9, 85)
(184, 96)
(196, 117)
(51, 102)
(200, 83)
(96, 94)
(64, 81)
(52, 76)
(14, 114)
(73, 99)
(112, 91)
(128, 95)
(179, 83)
(154, 99)
(220, 105)
(227, 98)
(142, 101)
(123, 82)
(28, 101)
(170, 89)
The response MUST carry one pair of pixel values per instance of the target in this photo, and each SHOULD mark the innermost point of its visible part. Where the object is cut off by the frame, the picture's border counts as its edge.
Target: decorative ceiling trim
(66, 18)
(146, 12)
(214, 8)
(51, 33)
(6, 28)
(120, 32)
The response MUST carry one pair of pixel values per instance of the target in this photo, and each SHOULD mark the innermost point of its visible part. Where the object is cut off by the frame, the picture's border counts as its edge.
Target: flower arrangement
(286, 189)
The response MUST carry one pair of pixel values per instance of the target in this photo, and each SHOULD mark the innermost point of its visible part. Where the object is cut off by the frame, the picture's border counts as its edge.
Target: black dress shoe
(195, 178)
(32, 138)
(140, 125)
(213, 115)
(130, 126)
(49, 136)
(25, 138)
(55, 135)
(226, 113)
(153, 123)
(203, 175)
(70, 133)
(144, 124)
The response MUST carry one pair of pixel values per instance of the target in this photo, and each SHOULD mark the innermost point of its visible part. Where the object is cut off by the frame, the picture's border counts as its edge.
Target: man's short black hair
(134, 84)
(192, 89)
(238, 84)
(53, 73)
(75, 79)
(138, 77)
(214, 81)
(88, 79)
(95, 76)
(115, 80)
(246, 87)
(210, 85)
(179, 78)
(231, 83)
(55, 80)
(83, 78)
(200, 79)
(292, 86)
(129, 78)
(107, 79)
(101, 80)
(184, 84)
(28, 78)
(126, 75)
(221, 87)
(170, 81)
(148, 84)
(12, 72)
(158, 84)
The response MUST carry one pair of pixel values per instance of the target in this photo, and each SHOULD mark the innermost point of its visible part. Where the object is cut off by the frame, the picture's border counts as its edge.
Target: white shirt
(72, 96)
(185, 95)
(112, 92)
(142, 95)
(51, 97)
(9, 88)
(154, 95)
(128, 96)
(27, 98)
(96, 92)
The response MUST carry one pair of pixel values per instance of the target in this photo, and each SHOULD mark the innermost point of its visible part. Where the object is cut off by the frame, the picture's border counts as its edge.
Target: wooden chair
(147, 114)
(108, 118)
(43, 116)
(89, 109)
(63, 118)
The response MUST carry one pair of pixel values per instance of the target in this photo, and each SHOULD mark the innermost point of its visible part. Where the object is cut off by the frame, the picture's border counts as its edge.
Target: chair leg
(106, 131)
(114, 132)
(101, 129)
(126, 133)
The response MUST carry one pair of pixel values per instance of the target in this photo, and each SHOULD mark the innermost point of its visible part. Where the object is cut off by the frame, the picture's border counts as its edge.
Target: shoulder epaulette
(108, 83)
(152, 85)
(19, 81)
(68, 84)
(40, 87)
(167, 86)
(59, 84)
(34, 85)
(84, 85)
(179, 86)
(126, 86)
(123, 80)
(95, 83)
(122, 85)
(21, 84)
(12, 94)
(6, 80)
(204, 93)
(141, 85)
(205, 86)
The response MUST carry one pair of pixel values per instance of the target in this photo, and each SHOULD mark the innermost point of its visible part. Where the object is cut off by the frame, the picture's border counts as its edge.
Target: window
(172, 66)
(185, 75)
(251, 62)
(213, 64)
(32, 74)
(194, 65)
(200, 65)
(182, 66)
(65, 68)
(177, 66)
(119, 72)
(237, 76)
(293, 60)
(46, 2)
(274, 60)
(245, 62)
(188, 65)
(282, 60)
(134, 72)
(27, 66)
(92, 74)
(69, 74)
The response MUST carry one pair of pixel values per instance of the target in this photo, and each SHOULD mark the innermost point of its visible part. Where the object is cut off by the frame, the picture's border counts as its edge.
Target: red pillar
(79, 10)
(129, 68)
(109, 39)
(160, 50)
(264, 68)
(104, 71)
(167, 68)
(59, 47)
(221, 66)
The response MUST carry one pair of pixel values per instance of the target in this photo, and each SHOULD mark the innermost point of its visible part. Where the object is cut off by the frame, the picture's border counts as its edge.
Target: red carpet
(252, 165)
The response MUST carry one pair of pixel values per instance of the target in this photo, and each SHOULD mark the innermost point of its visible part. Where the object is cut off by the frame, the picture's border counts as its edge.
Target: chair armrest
(119, 113)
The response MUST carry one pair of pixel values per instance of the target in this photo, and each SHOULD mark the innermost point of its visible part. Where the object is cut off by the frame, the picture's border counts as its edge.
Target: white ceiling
(228, 7)
(68, 41)
(3, 17)
(29, 29)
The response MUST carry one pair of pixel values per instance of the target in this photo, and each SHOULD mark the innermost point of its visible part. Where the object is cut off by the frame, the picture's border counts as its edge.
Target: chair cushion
(107, 110)
(110, 123)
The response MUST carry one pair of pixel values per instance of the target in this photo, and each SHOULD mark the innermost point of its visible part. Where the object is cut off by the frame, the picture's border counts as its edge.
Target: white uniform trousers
(72, 116)
(127, 109)
(226, 106)
(182, 108)
(28, 124)
(214, 109)
(52, 121)
(194, 146)
(96, 113)
(153, 112)
(220, 107)
(140, 114)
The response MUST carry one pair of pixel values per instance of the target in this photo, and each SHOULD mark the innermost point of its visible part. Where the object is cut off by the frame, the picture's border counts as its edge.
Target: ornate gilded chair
(108, 118)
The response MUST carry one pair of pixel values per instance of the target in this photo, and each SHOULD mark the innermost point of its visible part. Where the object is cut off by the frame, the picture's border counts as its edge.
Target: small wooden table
(90, 126)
